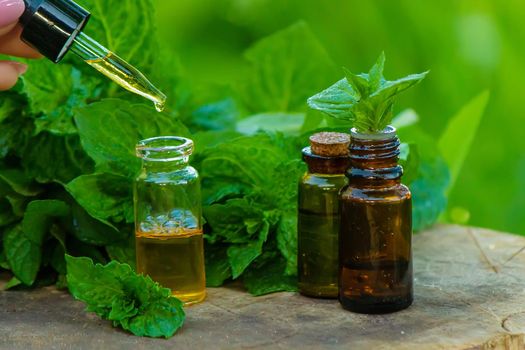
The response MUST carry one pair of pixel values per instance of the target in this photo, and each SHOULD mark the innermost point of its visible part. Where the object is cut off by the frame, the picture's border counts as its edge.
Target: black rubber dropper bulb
(54, 27)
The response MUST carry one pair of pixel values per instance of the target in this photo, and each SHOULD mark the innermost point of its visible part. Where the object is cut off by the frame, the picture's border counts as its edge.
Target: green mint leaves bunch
(365, 99)
(116, 293)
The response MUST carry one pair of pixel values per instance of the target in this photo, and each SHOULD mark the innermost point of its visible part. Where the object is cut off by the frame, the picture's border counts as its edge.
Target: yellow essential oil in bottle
(175, 260)
(168, 218)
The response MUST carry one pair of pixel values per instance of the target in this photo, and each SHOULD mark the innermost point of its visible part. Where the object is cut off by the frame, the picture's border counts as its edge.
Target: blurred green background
(469, 46)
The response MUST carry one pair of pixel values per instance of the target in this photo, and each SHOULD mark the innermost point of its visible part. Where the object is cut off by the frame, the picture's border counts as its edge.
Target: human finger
(9, 73)
(10, 12)
(11, 44)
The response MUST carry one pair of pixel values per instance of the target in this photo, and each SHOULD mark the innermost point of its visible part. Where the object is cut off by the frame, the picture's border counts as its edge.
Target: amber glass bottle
(375, 250)
(318, 220)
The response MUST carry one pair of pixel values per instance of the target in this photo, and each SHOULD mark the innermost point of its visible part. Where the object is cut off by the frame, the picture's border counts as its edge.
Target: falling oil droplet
(159, 106)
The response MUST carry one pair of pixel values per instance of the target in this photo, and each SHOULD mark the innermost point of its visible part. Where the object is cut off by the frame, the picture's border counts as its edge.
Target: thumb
(10, 11)
(9, 73)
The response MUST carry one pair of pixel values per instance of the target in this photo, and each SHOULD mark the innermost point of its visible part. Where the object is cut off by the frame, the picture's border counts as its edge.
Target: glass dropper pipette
(54, 27)
(116, 69)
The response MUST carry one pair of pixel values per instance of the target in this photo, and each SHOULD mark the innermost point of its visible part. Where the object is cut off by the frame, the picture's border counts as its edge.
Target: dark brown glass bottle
(375, 238)
(318, 217)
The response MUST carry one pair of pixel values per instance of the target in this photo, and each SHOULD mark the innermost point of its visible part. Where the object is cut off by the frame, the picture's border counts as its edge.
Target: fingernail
(21, 68)
(10, 11)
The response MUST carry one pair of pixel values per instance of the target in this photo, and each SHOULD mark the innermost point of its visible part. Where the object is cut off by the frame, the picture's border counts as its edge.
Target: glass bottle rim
(164, 148)
(387, 133)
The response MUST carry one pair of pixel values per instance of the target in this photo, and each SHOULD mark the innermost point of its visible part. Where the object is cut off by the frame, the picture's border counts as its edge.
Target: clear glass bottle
(318, 218)
(375, 246)
(168, 218)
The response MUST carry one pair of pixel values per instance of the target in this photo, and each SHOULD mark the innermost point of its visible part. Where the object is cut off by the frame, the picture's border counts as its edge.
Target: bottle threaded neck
(375, 156)
(165, 149)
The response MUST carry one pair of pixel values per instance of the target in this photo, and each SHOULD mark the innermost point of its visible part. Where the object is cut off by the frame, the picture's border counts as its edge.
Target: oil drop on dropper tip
(53, 27)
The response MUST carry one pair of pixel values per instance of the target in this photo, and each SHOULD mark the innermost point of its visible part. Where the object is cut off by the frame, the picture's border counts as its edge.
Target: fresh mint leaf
(18, 203)
(358, 82)
(92, 231)
(39, 216)
(162, 318)
(113, 148)
(105, 197)
(219, 192)
(217, 265)
(53, 91)
(15, 189)
(375, 75)
(243, 226)
(121, 309)
(287, 241)
(19, 182)
(285, 195)
(47, 86)
(389, 89)
(52, 158)
(364, 99)
(286, 200)
(9, 104)
(22, 254)
(241, 256)
(287, 67)
(236, 221)
(243, 160)
(23, 243)
(89, 282)
(132, 301)
(338, 100)
(16, 132)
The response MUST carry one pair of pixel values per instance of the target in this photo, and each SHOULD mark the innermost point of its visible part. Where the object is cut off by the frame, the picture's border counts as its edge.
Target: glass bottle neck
(164, 153)
(325, 165)
(374, 162)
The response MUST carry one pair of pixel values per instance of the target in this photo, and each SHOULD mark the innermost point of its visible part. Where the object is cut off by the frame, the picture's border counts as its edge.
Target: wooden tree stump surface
(469, 294)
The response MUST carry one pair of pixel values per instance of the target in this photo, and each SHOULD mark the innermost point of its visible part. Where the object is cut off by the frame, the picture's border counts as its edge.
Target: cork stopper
(330, 144)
